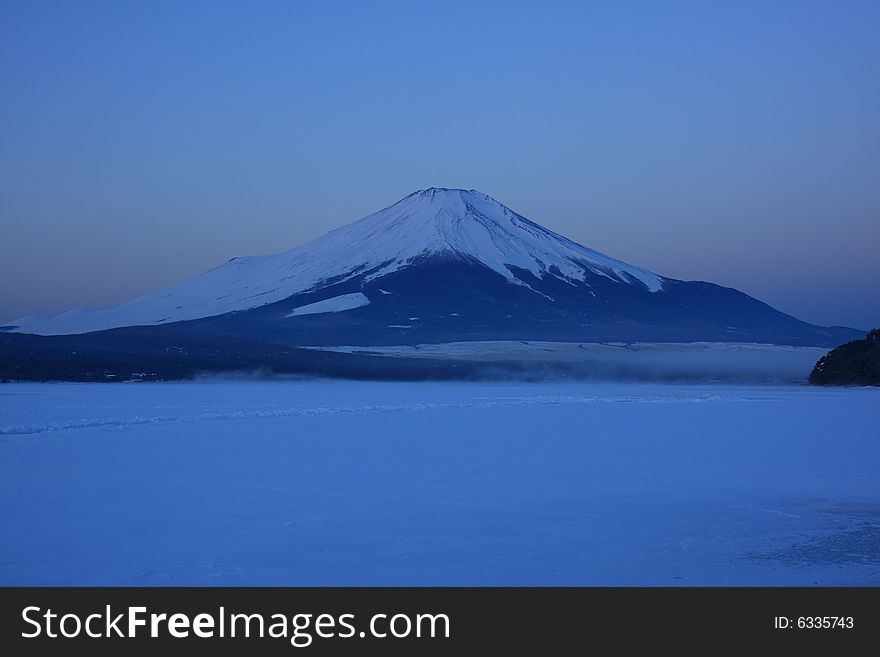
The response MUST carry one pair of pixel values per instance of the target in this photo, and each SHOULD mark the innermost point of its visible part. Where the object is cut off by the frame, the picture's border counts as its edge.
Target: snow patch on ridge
(334, 305)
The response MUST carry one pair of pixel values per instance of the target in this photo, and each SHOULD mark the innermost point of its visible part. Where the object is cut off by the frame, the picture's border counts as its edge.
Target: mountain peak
(433, 191)
(452, 199)
(463, 224)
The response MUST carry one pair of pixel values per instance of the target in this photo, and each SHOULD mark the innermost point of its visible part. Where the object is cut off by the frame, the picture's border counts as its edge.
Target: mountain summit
(442, 265)
(435, 222)
(470, 225)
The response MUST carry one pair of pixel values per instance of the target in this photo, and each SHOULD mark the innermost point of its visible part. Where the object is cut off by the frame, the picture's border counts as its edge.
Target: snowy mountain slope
(450, 223)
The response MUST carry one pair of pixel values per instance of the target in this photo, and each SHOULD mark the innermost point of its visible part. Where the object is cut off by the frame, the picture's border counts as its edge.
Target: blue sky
(736, 142)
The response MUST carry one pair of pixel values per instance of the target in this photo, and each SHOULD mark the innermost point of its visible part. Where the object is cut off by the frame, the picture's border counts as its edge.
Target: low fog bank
(524, 361)
(541, 361)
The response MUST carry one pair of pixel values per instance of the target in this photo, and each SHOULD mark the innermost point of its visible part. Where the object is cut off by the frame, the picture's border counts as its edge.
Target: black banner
(430, 620)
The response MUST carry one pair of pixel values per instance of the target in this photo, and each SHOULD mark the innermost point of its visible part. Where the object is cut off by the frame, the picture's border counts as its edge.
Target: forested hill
(854, 363)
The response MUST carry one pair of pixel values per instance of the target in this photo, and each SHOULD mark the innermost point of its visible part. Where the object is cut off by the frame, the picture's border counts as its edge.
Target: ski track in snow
(120, 422)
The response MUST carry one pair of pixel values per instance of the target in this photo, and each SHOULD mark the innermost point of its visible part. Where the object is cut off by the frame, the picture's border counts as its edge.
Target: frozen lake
(343, 483)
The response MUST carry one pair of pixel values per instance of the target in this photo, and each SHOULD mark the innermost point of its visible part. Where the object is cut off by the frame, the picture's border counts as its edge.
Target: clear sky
(735, 142)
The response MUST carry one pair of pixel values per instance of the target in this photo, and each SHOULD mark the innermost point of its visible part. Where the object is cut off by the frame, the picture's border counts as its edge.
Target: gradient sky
(735, 142)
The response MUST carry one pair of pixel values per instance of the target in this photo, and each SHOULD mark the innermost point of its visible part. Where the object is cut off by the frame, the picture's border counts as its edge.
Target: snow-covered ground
(331, 483)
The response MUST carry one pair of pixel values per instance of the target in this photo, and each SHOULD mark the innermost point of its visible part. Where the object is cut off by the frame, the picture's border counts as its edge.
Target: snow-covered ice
(344, 483)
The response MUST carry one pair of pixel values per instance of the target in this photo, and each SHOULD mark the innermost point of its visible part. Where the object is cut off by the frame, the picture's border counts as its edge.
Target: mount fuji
(440, 265)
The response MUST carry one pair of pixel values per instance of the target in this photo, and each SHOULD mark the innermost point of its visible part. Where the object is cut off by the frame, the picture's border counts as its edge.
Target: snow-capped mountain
(433, 222)
(439, 266)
